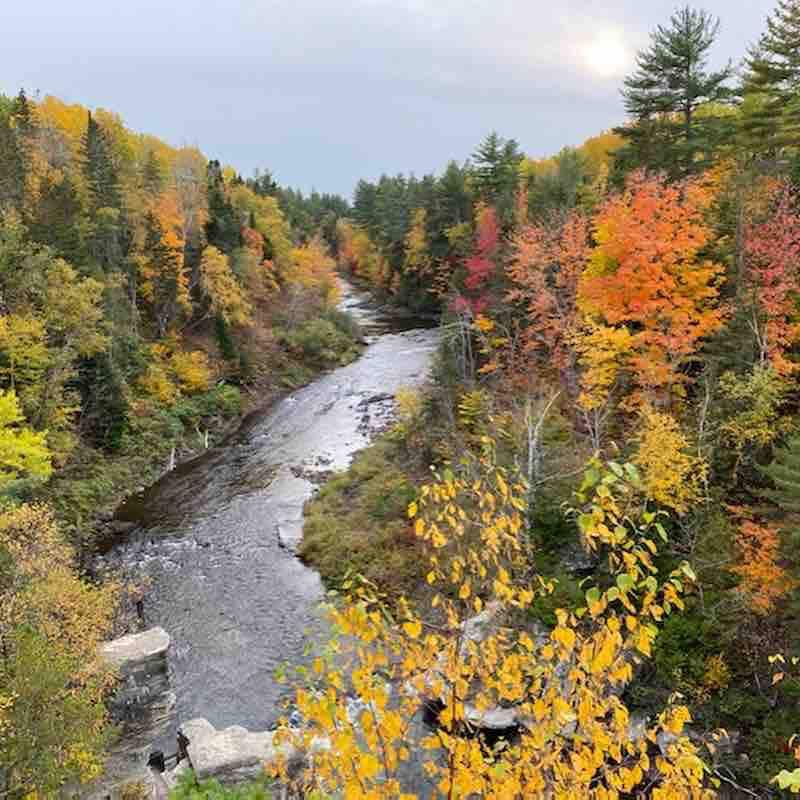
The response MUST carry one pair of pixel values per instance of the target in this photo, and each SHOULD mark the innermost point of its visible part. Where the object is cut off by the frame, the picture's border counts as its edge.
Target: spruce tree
(671, 83)
(223, 229)
(771, 111)
(495, 172)
(152, 174)
(784, 472)
(99, 168)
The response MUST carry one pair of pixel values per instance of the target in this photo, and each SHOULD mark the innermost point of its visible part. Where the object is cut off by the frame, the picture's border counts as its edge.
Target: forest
(604, 467)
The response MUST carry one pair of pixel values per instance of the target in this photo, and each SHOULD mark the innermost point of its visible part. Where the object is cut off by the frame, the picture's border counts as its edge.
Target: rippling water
(214, 537)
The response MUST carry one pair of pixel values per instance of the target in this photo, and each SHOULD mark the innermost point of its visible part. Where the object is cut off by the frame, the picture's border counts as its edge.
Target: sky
(323, 93)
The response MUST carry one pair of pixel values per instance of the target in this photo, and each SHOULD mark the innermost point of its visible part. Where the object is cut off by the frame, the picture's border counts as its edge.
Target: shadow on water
(213, 540)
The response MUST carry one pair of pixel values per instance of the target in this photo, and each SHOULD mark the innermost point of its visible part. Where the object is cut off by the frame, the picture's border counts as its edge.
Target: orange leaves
(634, 303)
(546, 265)
(646, 271)
(762, 577)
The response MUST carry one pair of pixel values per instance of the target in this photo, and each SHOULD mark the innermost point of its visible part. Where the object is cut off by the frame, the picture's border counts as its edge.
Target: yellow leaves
(22, 451)
(173, 372)
(574, 740)
(565, 637)
(602, 351)
(191, 370)
(225, 294)
(671, 475)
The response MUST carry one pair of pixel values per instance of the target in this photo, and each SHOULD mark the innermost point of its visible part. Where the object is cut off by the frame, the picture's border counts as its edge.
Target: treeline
(145, 291)
(621, 339)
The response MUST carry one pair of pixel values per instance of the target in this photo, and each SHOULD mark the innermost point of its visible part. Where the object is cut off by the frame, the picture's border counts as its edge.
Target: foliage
(189, 788)
(355, 525)
(52, 681)
(670, 86)
(671, 475)
(575, 739)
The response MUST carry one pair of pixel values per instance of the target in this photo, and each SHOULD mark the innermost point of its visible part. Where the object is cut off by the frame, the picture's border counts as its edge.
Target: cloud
(325, 92)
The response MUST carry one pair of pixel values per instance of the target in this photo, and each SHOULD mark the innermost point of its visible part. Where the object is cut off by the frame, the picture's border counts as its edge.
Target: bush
(189, 788)
(321, 344)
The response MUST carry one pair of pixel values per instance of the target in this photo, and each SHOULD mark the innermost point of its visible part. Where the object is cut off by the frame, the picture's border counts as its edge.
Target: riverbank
(88, 491)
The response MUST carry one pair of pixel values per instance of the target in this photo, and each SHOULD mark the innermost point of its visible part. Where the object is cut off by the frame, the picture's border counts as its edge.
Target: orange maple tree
(647, 272)
(763, 578)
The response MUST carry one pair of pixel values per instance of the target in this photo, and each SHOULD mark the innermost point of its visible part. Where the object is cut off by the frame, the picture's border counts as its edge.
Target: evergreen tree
(771, 111)
(99, 168)
(223, 229)
(365, 200)
(152, 174)
(495, 173)
(12, 167)
(104, 403)
(17, 137)
(671, 83)
(784, 472)
(56, 219)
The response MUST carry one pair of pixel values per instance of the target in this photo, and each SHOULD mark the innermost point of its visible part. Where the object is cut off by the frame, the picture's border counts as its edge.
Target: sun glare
(606, 55)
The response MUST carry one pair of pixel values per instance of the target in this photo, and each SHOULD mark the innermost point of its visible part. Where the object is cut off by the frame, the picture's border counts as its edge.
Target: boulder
(142, 703)
(234, 755)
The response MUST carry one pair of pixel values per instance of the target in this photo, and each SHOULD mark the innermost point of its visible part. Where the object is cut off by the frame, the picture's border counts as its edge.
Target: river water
(214, 538)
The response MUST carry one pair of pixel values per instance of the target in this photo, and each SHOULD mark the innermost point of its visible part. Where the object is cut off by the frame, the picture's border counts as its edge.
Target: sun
(605, 55)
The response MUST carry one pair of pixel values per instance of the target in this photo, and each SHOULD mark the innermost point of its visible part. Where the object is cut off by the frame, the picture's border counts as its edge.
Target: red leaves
(772, 258)
(481, 265)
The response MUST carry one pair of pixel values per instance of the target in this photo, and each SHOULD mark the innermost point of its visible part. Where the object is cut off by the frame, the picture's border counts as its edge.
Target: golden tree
(477, 654)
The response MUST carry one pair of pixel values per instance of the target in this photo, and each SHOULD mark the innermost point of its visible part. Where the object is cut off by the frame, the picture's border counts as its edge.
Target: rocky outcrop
(235, 755)
(143, 703)
(142, 706)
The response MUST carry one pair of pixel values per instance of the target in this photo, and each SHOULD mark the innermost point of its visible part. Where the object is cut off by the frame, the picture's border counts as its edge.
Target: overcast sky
(324, 92)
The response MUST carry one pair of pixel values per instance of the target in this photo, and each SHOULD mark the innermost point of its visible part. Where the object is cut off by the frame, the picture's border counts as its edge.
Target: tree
(664, 94)
(223, 228)
(647, 272)
(52, 679)
(771, 251)
(99, 168)
(164, 283)
(771, 118)
(226, 296)
(22, 451)
(547, 262)
(562, 688)
(495, 173)
(784, 473)
(763, 579)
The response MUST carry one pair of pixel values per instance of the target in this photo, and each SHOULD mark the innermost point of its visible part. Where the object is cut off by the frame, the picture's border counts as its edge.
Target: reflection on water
(214, 537)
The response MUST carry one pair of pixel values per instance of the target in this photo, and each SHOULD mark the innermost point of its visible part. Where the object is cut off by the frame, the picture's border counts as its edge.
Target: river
(214, 538)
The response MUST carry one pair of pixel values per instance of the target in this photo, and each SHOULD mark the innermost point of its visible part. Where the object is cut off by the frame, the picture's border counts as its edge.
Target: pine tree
(17, 135)
(99, 169)
(495, 171)
(223, 229)
(664, 94)
(771, 111)
(152, 174)
(56, 219)
(784, 472)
